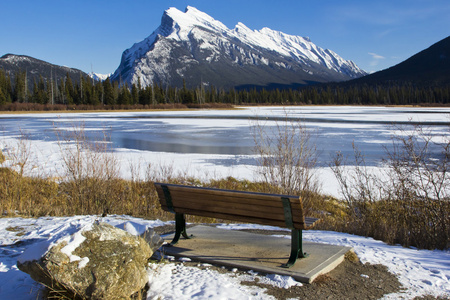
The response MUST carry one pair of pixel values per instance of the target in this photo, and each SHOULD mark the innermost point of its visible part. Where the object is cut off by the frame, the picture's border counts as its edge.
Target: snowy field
(421, 272)
(209, 144)
(216, 143)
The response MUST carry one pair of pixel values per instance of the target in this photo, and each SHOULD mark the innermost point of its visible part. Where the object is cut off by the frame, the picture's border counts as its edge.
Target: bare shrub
(2, 157)
(419, 186)
(14, 192)
(286, 158)
(410, 202)
(361, 190)
(91, 170)
(22, 195)
(18, 153)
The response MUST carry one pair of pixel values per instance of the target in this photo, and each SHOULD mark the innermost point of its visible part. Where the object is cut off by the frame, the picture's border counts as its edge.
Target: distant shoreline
(169, 107)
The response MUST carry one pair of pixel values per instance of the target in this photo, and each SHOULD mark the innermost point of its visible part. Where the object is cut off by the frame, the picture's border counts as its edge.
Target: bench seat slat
(276, 213)
(245, 219)
(242, 207)
(309, 222)
(178, 197)
(241, 214)
(231, 193)
(193, 197)
(232, 199)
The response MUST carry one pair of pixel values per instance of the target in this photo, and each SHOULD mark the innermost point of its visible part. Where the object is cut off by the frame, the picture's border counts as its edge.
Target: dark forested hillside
(422, 79)
(428, 68)
(109, 94)
(34, 68)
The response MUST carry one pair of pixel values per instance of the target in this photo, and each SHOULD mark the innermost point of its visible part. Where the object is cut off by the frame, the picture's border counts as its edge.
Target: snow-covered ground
(420, 271)
(214, 143)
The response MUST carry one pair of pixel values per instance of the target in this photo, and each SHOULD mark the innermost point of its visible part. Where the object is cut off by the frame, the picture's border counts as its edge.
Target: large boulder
(99, 262)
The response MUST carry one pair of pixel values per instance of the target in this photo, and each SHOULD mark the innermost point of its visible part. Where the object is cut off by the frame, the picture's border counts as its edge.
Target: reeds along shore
(409, 204)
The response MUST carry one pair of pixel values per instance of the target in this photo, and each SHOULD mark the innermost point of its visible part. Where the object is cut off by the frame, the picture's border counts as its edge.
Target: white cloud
(376, 56)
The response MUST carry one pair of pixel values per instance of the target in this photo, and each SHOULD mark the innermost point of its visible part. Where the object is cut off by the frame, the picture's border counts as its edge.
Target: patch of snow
(184, 259)
(133, 228)
(420, 271)
(70, 233)
(175, 281)
(3, 267)
(73, 242)
(83, 262)
(280, 281)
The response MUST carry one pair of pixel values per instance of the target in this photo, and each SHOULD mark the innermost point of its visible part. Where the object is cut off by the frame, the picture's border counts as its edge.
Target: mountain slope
(12, 64)
(430, 67)
(197, 49)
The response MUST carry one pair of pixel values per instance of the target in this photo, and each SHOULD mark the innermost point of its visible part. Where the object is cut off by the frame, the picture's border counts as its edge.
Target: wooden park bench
(265, 209)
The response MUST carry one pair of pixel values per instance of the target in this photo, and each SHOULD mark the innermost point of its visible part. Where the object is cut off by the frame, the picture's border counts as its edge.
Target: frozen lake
(221, 141)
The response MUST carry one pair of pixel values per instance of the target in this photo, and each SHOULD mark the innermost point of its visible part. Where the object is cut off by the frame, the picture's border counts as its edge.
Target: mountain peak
(194, 10)
(183, 22)
(193, 46)
(15, 58)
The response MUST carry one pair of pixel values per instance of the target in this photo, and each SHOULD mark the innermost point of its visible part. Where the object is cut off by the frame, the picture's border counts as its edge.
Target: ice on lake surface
(229, 132)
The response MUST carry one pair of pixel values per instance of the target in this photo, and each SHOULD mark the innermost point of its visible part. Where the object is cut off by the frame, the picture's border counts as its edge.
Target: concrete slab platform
(261, 253)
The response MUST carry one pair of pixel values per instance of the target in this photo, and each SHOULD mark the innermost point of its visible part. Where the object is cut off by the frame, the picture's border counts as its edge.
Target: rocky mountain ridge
(13, 64)
(193, 48)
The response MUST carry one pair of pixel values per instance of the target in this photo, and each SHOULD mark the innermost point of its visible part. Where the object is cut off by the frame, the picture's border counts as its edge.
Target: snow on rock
(73, 242)
(111, 262)
(70, 232)
(133, 228)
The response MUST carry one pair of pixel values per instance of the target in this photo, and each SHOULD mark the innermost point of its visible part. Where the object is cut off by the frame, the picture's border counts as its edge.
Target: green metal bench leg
(296, 248)
(180, 228)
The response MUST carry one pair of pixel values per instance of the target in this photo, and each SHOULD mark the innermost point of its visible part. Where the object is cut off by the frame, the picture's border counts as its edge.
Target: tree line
(110, 93)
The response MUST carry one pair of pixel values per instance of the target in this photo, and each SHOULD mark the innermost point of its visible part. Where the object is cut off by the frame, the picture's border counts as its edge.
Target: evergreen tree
(68, 90)
(134, 94)
(124, 95)
(108, 92)
(2, 97)
(5, 88)
(20, 88)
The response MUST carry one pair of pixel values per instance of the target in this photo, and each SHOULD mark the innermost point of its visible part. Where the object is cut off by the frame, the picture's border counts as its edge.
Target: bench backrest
(259, 208)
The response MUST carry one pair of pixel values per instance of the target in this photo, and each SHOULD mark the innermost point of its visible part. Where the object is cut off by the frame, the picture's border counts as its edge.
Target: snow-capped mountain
(197, 49)
(98, 76)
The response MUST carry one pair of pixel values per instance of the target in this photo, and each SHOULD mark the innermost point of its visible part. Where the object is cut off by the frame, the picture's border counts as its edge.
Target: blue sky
(93, 34)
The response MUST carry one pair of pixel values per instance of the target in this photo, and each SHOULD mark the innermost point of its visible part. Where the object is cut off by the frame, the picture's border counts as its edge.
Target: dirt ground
(350, 280)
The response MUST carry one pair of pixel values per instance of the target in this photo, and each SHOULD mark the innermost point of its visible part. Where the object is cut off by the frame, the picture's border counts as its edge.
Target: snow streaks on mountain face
(193, 47)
